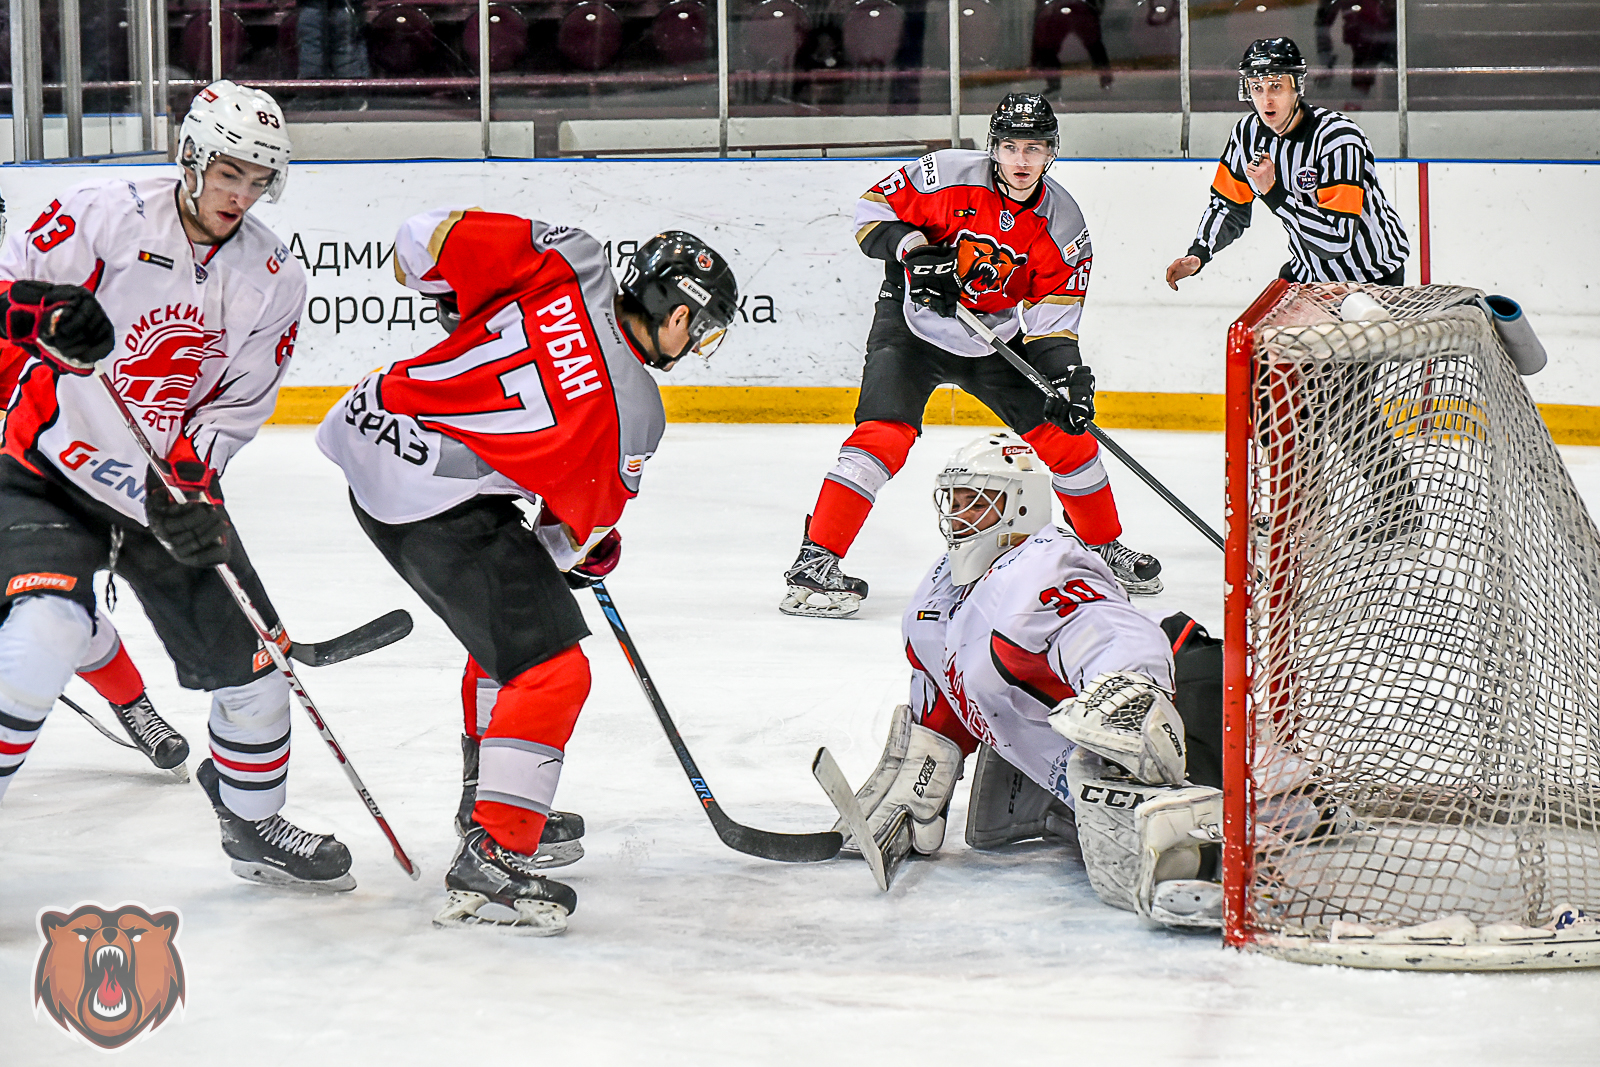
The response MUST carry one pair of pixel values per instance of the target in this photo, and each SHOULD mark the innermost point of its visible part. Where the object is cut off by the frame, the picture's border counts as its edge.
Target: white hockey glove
(915, 775)
(1129, 720)
(1171, 828)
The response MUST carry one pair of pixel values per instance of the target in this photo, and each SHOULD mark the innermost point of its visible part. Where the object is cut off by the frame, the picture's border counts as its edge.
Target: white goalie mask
(1006, 500)
(245, 124)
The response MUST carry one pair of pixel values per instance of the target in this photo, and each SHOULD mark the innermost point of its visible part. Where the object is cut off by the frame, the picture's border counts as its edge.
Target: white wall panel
(1521, 229)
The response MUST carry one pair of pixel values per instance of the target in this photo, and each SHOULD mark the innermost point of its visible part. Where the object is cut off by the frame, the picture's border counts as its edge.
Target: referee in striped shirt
(1313, 168)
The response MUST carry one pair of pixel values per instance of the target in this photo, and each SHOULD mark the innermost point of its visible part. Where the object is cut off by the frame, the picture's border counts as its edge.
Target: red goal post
(1412, 658)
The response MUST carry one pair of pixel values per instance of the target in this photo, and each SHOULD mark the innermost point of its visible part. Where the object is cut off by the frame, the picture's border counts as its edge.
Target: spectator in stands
(331, 44)
(1057, 20)
(1369, 30)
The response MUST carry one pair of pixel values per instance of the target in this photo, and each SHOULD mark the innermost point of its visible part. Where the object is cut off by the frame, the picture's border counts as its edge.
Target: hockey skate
(1136, 571)
(155, 737)
(274, 851)
(817, 587)
(485, 872)
(558, 844)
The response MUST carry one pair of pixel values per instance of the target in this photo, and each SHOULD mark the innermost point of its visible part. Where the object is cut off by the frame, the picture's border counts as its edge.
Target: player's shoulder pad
(1065, 220)
(949, 167)
(582, 250)
(266, 256)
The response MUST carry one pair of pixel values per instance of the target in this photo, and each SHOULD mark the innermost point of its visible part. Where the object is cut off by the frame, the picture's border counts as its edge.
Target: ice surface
(681, 950)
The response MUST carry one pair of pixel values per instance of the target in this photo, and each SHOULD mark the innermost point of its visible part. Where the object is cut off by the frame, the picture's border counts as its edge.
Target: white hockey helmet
(1011, 483)
(231, 120)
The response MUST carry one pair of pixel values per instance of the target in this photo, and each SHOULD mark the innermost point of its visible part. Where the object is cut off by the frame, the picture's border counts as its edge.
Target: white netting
(1424, 629)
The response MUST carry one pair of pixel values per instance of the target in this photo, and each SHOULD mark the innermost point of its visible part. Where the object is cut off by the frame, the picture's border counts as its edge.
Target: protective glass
(706, 332)
(1269, 83)
(968, 509)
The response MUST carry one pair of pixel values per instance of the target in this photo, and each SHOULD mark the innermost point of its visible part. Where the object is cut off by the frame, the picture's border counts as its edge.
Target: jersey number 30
(1069, 597)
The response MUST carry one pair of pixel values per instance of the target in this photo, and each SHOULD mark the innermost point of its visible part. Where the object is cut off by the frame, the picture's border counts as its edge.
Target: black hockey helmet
(1024, 116)
(1271, 55)
(677, 268)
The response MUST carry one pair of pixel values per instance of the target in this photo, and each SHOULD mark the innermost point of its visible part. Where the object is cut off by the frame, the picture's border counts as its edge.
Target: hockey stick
(1010, 355)
(274, 643)
(96, 723)
(368, 637)
(179, 771)
(833, 782)
(786, 848)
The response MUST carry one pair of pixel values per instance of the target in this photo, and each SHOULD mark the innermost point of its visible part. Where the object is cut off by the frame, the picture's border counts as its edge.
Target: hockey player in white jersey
(190, 308)
(1022, 640)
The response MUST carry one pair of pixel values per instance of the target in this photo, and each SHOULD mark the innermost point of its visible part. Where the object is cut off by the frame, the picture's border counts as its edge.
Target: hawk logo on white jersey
(168, 347)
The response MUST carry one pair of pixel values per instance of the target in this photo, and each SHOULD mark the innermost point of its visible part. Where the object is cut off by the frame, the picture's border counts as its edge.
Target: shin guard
(519, 761)
(1080, 482)
(869, 457)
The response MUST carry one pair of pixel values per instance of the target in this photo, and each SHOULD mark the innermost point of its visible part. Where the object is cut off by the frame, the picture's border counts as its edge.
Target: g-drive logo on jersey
(108, 976)
(167, 346)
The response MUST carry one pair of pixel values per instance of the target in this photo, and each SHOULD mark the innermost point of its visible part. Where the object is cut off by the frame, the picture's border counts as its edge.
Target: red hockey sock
(118, 681)
(477, 688)
(1094, 515)
(521, 752)
(847, 494)
(941, 719)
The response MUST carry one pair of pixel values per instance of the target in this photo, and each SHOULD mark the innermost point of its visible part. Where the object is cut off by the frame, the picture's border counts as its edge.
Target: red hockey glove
(601, 561)
(63, 323)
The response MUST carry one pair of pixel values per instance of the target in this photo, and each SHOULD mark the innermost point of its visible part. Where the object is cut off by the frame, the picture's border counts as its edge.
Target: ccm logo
(924, 776)
(31, 583)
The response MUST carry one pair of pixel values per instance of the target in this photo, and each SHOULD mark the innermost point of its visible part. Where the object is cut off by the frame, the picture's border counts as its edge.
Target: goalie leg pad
(1128, 720)
(1006, 806)
(1172, 827)
(1104, 802)
(915, 776)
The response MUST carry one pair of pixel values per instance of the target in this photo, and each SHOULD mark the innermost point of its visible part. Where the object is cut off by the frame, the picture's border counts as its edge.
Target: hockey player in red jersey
(540, 393)
(193, 306)
(989, 231)
(1095, 722)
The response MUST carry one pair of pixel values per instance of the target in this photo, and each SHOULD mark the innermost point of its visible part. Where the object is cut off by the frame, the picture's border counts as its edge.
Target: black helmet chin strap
(659, 361)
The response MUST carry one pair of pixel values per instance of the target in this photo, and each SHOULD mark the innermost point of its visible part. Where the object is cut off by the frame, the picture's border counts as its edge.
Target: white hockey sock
(42, 641)
(250, 745)
(103, 646)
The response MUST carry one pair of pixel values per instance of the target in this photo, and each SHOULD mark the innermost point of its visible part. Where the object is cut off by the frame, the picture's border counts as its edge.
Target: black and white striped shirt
(1340, 225)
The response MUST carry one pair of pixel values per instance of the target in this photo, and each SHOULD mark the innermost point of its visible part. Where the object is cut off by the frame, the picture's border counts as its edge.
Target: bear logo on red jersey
(984, 264)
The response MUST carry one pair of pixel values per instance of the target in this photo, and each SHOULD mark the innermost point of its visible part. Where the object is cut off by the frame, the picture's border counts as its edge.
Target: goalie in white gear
(1021, 640)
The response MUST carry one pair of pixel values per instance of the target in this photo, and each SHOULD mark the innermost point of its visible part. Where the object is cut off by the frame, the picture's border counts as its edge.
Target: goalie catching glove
(1129, 720)
(64, 324)
(931, 280)
(909, 791)
(197, 532)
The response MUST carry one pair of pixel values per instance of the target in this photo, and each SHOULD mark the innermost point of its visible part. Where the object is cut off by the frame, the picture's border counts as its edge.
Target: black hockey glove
(931, 279)
(65, 324)
(601, 561)
(1073, 408)
(197, 533)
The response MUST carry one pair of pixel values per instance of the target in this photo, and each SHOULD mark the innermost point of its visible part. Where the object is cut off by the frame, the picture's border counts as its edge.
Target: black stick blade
(785, 848)
(368, 637)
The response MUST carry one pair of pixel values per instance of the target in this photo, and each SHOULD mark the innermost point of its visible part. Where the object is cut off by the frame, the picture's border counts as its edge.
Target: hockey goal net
(1413, 645)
